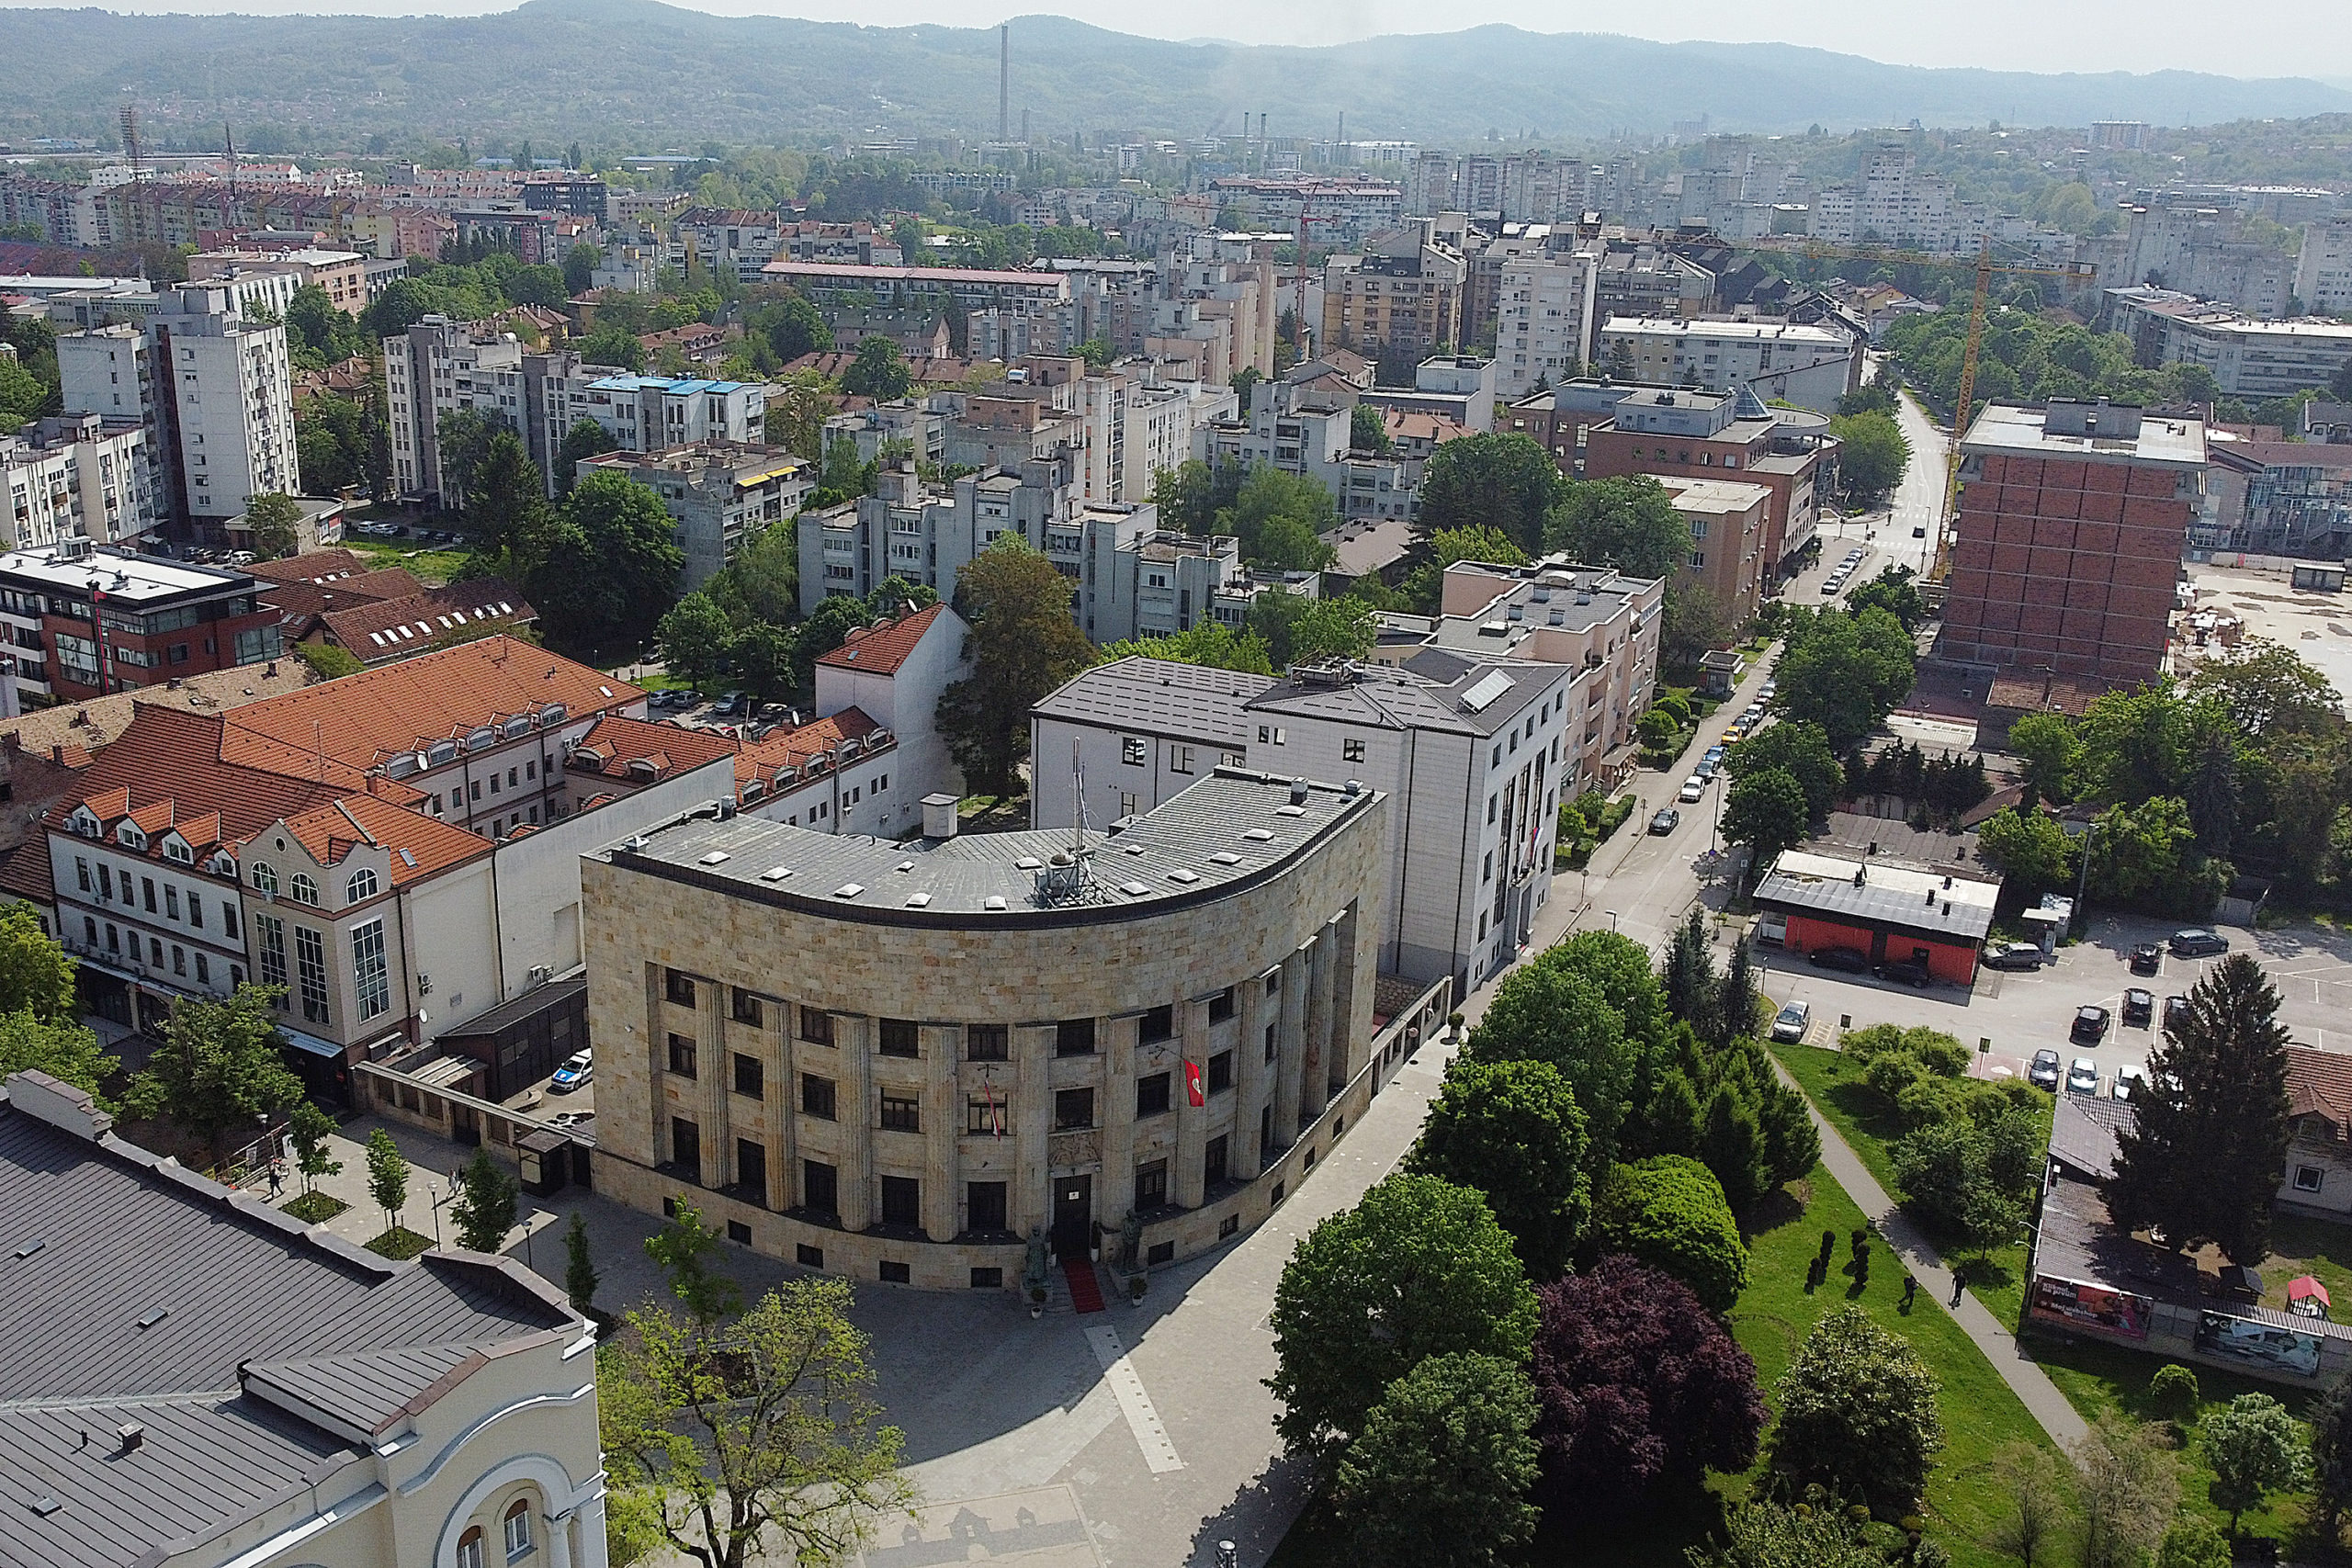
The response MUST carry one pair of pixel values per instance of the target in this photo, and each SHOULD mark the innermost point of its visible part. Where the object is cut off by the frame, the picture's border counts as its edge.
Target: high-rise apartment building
(81, 476)
(1543, 320)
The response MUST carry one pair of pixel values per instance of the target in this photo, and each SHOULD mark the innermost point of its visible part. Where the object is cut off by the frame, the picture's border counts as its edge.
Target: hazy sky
(2239, 37)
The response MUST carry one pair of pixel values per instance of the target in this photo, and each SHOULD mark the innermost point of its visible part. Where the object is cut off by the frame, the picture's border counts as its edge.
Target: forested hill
(650, 75)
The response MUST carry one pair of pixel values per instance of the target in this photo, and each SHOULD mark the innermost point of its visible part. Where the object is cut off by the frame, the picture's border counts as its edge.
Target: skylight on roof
(849, 890)
(715, 857)
(918, 900)
(904, 865)
(1027, 862)
(1134, 889)
(408, 859)
(1259, 835)
(993, 903)
(1482, 695)
(775, 874)
(1183, 874)
(1225, 857)
(1290, 811)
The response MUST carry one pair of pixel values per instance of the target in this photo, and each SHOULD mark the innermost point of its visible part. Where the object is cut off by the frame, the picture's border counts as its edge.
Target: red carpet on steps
(1085, 1293)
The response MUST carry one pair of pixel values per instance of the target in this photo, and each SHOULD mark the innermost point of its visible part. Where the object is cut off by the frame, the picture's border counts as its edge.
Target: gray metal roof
(149, 1291)
(1899, 897)
(555, 993)
(1376, 697)
(368, 1392)
(2084, 1134)
(1160, 697)
(1232, 828)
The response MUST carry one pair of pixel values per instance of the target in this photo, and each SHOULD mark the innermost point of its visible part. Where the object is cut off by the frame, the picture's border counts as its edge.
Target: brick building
(2072, 520)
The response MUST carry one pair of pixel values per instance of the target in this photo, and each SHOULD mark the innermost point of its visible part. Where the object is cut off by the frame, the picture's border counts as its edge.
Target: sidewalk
(2048, 1406)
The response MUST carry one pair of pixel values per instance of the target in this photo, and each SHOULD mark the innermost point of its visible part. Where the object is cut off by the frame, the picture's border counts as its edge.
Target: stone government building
(900, 1060)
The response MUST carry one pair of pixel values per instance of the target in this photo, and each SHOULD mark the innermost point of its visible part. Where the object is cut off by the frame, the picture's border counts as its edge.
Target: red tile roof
(2319, 1083)
(166, 768)
(614, 742)
(794, 748)
(300, 603)
(368, 717)
(421, 846)
(399, 628)
(314, 566)
(883, 647)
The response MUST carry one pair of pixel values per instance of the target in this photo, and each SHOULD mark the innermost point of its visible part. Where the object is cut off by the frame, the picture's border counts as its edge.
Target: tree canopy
(36, 977)
(1872, 456)
(1629, 524)
(1442, 1468)
(1857, 1413)
(1845, 673)
(1023, 644)
(1507, 483)
(222, 1068)
(1512, 1131)
(1668, 1212)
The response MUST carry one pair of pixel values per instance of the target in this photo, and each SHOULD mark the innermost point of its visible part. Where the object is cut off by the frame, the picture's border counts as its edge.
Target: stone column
(588, 1533)
(559, 1528)
(854, 1038)
(713, 1080)
(940, 1122)
(1313, 1088)
(1290, 1053)
(1252, 1074)
(1029, 1199)
(1187, 1181)
(1349, 1034)
(1115, 1114)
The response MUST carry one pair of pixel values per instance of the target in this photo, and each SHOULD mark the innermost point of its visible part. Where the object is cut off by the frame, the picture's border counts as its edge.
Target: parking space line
(1126, 1387)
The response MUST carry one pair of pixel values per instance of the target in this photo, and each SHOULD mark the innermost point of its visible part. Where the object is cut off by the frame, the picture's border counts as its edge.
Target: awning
(310, 1042)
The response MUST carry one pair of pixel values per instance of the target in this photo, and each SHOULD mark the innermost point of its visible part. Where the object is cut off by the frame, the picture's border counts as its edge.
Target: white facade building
(1543, 320)
(894, 673)
(2324, 272)
(1810, 366)
(79, 476)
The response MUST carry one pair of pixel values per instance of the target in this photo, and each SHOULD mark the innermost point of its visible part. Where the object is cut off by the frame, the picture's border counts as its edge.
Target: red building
(1888, 911)
(83, 623)
(2072, 521)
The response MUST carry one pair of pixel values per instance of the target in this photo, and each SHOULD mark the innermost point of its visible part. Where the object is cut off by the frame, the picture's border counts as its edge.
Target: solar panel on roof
(1482, 695)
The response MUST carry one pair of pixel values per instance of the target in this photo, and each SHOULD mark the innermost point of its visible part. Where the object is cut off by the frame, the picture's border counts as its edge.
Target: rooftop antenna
(1077, 792)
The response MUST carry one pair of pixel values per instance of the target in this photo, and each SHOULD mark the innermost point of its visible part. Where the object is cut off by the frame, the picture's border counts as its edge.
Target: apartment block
(341, 273)
(78, 477)
(1730, 522)
(927, 287)
(84, 622)
(721, 495)
(2324, 269)
(2072, 521)
(1545, 319)
(1810, 366)
(1678, 433)
(1402, 296)
(2281, 498)
(2251, 359)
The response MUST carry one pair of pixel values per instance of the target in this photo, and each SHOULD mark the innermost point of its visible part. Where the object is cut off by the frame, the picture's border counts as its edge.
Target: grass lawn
(1980, 1412)
(400, 1242)
(2098, 1378)
(315, 1208)
(432, 567)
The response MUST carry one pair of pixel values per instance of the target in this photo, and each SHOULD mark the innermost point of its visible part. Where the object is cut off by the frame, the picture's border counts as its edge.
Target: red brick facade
(2066, 563)
(1951, 960)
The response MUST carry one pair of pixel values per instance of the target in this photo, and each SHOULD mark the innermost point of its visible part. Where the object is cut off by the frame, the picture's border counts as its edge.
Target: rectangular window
(203, 970)
(816, 1096)
(371, 979)
(179, 959)
(2308, 1178)
(1179, 759)
(682, 1056)
(898, 1038)
(901, 1202)
(1270, 1042)
(1213, 1163)
(171, 901)
(1351, 751)
(82, 872)
(686, 1146)
(901, 1112)
(679, 989)
(984, 1205)
(1073, 1109)
(1134, 751)
(988, 1043)
(1074, 1037)
(809, 1256)
(987, 1115)
(748, 1010)
(1151, 1095)
(1151, 1185)
(228, 918)
(270, 962)
(819, 1193)
(1158, 1024)
(817, 1026)
(1220, 1071)
(106, 882)
(752, 1168)
(748, 1077)
(1221, 1006)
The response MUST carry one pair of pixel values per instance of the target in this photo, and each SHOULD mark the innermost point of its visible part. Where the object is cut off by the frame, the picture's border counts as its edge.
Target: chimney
(1004, 81)
(130, 1434)
(938, 816)
(1298, 792)
(1931, 898)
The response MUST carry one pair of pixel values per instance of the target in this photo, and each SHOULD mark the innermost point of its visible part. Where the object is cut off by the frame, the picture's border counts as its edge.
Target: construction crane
(2084, 273)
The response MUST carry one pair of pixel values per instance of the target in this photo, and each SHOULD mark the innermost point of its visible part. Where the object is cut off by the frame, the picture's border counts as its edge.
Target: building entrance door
(1073, 1214)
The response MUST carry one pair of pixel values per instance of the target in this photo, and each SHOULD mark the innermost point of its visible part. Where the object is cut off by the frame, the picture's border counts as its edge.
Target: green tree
(762, 657)
(1507, 483)
(1245, 381)
(1944, 1171)
(2264, 687)
(2254, 1448)
(309, 1128)
(762, 584)
(2035, 1496)
(2029, 849)
(1441, 1468)
(1211, 643)
(1895, 592)
(1300, 630)
(1802, 750)
(1846, 673)
(1291, 544)
(2193, 1542)
(1629, 524)
(2134, 746)
(222, 1068)
(1696, 620)
(879, 371)
(1512, 1131)
(485, 1203)
(1857, 1413)
(614, 345)
(273, 525)
(387, 1178)
(584, 440)
(2331, 1417)
(1687, 975)
(1767, 812)
(1024, 645)
(317, 324)
(615, 568)
(36, 977)
(686, 1251)
(1368, 431)
(1424, 586)
(579, 1276)
(1575, 1006)
(1765, 1534)
(694, 638)
(580, 264)
(1295, 508)
(2141, 855)
(1184, 496)
(2129, 1486)
(758, 1440)
(2208, 1146)
(2048, 746)
(1871, 455)
(327, 661)
(506, 497)
(1419, 1268)
(1669, 1210)
(65, 1050)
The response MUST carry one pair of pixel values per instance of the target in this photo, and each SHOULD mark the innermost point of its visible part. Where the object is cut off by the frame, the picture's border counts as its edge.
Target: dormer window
(265, 879)
(176, 849)
(361, 886)
(130, 836)
(305, 890)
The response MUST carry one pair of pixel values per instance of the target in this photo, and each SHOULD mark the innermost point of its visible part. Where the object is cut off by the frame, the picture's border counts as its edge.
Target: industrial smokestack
(1004, 83)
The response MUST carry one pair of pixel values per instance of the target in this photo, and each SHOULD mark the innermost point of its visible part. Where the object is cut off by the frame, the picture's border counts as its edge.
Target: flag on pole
(1192, 1083)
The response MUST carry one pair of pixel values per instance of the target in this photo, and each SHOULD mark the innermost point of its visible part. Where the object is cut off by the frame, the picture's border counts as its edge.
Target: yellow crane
(2084, 273)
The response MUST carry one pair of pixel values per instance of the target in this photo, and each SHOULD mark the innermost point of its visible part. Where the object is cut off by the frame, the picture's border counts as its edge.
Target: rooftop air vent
(1298, 792)
(130, 1434)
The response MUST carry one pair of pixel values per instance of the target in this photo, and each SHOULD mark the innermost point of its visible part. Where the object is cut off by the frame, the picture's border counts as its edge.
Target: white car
(1792, 1022)
(1692, 788)
(2082, 1075)
(2129, 1083)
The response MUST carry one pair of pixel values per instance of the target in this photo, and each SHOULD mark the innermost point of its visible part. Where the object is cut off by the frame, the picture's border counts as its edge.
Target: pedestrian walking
(1958, 1287)
(1910, 1291)
(276, 1179)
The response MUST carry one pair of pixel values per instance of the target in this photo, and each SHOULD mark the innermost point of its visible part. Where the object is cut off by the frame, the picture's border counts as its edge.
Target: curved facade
(900, 1060)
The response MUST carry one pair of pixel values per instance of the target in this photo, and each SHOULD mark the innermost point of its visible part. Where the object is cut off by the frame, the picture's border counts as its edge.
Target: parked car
(2147, 958)
(2091, 1025)
(1692, 788)
(1919, 533)
(1853, 960)
(2013, 956)
(1792, 1022)
(2176, 1008)
(578, 1069)
(1910, 971)
(2129, 1082)
(1666, 821)
(2139, 1008)
(2199, 943)
(1707, 768)
(2082, 1075)
(2042, 1073)
(729, 703)
(1831, 585)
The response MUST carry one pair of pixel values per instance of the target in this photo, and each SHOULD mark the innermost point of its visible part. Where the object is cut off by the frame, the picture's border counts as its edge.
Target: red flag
(1192, 1083)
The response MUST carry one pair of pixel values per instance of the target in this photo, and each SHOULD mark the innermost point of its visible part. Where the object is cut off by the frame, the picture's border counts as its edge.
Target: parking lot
(2021, 1011)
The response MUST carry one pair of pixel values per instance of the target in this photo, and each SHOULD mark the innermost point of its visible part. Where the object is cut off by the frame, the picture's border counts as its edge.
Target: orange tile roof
(794, 748)
(364, 718)
(881, 648)
(314, 566)
(2319, 1083)
(27, 873)
(421, 846)
(401, 627)
(1414, 424)
(614, 742)
(170, 758)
